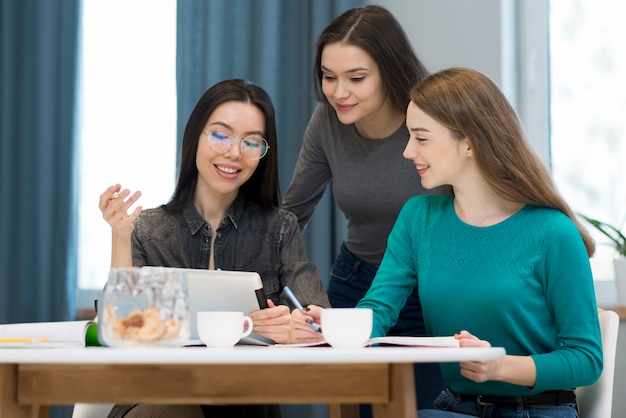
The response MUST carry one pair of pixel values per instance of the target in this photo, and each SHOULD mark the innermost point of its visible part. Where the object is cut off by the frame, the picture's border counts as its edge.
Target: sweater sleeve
(571, 298)
(139, 255)
(312, 172)
(396, 276)
(296, 270)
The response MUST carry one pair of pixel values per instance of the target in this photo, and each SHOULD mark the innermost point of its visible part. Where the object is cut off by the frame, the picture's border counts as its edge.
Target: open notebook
(48, 334)
(398, 341)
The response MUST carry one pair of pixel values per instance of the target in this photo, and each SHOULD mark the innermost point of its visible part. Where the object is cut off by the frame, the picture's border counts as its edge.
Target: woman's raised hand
(114, 205)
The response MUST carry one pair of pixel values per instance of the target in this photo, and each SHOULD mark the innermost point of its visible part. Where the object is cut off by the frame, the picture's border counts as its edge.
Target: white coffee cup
(222, 328)
(347, 327)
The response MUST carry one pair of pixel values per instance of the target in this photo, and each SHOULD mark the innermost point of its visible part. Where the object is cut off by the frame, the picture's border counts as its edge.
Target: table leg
(343, 411)
(8, 397)
(402, 392)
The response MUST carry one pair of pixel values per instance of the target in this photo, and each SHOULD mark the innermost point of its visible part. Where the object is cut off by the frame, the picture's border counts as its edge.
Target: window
(127, 128)
(588, 108)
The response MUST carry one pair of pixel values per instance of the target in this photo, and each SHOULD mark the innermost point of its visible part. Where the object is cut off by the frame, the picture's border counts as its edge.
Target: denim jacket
(249, 238)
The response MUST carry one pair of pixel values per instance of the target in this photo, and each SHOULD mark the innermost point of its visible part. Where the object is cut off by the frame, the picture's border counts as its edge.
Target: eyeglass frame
(232, 142)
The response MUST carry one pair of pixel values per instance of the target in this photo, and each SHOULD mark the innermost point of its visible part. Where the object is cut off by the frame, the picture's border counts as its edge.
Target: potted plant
(618, 242)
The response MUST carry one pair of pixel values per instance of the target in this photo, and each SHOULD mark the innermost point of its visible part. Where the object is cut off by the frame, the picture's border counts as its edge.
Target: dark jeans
(449, 401)
(209, 411)
(241, 411)
(350, 278)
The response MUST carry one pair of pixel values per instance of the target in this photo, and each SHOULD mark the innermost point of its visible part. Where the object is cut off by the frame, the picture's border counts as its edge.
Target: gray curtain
(38, 66)
(38, 44)
(270, 43)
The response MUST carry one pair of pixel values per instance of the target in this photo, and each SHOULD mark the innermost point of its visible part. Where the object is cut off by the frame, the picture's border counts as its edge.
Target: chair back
(596, 401)
(91, 410)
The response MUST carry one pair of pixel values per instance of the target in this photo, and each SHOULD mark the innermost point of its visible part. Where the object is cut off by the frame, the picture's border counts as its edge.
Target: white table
(33, 379)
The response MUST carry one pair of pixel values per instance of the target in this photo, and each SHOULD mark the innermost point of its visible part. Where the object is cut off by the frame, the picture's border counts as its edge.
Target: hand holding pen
(298, 306)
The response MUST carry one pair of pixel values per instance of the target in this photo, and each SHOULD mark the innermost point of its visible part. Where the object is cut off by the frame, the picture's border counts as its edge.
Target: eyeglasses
(253, 147)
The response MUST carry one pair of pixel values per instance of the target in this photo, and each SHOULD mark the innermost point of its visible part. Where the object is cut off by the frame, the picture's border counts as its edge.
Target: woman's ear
(468, 147)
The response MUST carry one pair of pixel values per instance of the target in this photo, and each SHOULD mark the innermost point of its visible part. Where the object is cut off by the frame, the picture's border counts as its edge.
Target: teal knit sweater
(524, 284)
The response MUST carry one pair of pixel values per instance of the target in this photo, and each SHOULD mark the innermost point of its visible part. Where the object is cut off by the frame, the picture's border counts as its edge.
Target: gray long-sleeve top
(371, 180)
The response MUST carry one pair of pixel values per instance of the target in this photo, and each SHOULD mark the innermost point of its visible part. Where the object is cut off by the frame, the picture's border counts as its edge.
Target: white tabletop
(245, 355)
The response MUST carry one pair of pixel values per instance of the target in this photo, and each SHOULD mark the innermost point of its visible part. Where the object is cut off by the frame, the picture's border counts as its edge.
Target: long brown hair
(376, 31)
(472, 106)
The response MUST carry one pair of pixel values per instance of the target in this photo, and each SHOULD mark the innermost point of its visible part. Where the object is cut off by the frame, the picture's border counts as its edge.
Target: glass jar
(144, 306)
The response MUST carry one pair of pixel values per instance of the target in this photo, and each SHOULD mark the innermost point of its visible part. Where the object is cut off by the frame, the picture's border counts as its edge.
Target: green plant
(618, 240)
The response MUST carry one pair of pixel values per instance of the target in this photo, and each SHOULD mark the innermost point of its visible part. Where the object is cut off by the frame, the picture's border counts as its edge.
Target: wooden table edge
(395, 399)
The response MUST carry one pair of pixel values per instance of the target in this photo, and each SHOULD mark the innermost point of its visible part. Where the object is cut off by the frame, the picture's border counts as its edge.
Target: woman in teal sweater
(500, 261)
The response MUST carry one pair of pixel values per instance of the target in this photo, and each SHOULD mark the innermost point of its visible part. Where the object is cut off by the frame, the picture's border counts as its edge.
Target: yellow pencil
(23, 340)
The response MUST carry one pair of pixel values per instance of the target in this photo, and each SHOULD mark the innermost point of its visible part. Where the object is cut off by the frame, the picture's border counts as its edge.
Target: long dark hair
(263, 187)
(377, 32)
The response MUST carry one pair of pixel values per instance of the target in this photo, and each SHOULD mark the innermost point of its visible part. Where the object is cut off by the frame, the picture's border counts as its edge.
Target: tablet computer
(225, 290)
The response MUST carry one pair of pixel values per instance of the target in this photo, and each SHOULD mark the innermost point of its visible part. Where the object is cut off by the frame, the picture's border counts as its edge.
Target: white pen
(295, 301)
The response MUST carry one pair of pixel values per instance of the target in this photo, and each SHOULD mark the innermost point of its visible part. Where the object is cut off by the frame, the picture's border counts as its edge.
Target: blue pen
(295, 301)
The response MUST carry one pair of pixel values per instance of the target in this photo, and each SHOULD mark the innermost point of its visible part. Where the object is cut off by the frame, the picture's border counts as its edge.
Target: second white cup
(347, 327)
(222, 328)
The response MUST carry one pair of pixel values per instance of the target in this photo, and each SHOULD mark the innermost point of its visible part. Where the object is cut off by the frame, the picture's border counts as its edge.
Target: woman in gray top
(364, 70)
(224, 214)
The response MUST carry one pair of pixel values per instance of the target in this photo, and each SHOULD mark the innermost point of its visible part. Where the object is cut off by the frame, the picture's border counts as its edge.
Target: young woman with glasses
(224, 214)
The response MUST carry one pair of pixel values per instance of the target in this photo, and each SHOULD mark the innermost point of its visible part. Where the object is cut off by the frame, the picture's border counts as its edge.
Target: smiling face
(440, 156)
(222, 174)
(351, 82)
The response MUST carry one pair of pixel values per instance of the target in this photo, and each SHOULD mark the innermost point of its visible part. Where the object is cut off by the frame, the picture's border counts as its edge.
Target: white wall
(447, 33)
(501, 38)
